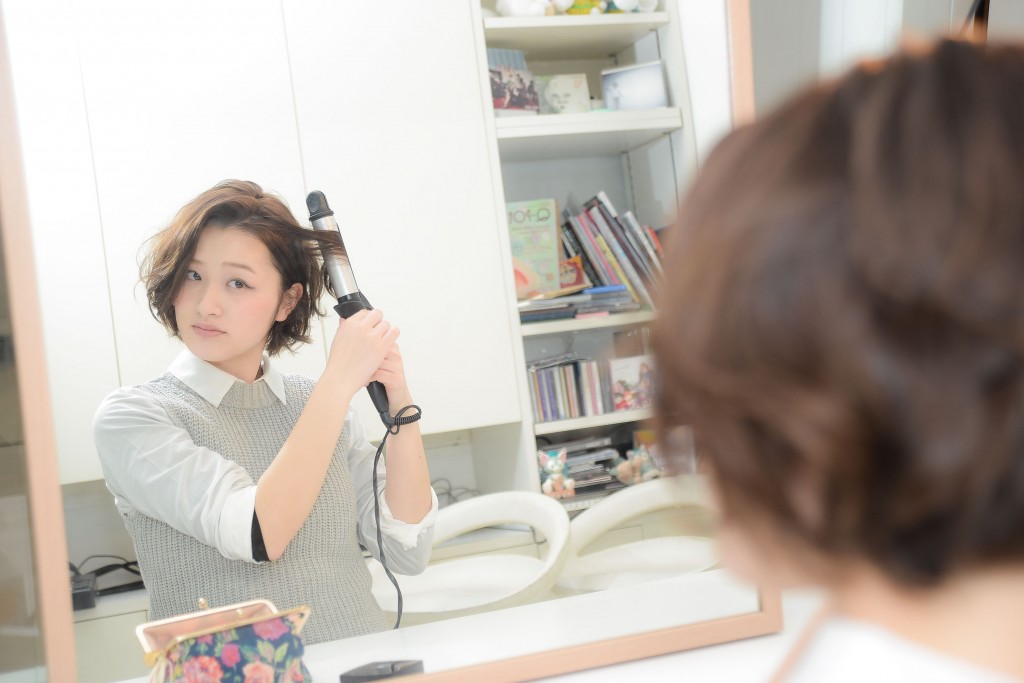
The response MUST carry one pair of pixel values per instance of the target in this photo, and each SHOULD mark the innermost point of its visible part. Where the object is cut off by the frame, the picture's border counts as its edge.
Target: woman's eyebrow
(236, 264)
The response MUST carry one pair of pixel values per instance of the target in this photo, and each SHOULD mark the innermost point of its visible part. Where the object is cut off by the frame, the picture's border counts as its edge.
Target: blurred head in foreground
(843, 324)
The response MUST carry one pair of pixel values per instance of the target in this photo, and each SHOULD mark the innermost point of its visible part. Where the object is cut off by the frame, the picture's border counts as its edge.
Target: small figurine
(554, 474)
(638, 468)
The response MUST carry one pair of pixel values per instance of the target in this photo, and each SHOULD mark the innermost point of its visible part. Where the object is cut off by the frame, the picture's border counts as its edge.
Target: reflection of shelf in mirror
(605, 420)
(590, 134)
(571, 37)
(574, 325)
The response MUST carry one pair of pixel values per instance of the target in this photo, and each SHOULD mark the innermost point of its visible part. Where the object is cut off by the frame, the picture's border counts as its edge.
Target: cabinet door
(107, 650)
(392, 128)
(180, 96)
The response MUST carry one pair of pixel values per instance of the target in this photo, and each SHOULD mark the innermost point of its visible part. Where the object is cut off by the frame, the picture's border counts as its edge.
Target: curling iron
(343, 281)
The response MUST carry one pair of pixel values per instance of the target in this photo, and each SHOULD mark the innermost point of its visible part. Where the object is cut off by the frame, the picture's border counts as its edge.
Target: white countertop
(547, 625)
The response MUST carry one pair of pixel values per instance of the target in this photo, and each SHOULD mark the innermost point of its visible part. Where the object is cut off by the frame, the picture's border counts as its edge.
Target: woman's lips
(206, 331)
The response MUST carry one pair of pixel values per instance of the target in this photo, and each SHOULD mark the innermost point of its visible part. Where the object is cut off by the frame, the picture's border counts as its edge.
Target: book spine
(605, 275)
(640, 235)
(552, 393)
(551, 402)
(595, 371)
(570, 391)
(614, 263)
(581, 384)
(541, 397)
(606, 387)
(625, 241)
(573, 242)
(567, 249)
(559, 383)
(574, 377)
(656, 241)
(590, 231)
(588, 373)
(641, 260)
(639, 240)
(632, 276)
(535, 394)
(607, 257)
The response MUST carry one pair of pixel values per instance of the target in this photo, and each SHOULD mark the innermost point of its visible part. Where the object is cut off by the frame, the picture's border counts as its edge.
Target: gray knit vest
(322, 567)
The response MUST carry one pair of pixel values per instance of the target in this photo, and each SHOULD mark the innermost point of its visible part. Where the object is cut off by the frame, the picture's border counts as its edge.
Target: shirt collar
(212, 383)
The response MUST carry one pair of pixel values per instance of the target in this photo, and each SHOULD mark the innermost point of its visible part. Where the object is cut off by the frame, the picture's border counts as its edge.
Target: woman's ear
(289, 300)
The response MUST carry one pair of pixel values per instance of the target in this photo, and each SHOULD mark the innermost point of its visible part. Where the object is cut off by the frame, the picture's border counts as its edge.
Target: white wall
(852, 30)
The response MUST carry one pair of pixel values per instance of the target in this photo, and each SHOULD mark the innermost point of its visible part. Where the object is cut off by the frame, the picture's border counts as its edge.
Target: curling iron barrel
(343, 281)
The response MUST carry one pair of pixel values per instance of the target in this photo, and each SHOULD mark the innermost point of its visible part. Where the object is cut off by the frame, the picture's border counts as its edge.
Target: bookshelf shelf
(574, 325)
(597, 133)
(571, 37)
(606, 420)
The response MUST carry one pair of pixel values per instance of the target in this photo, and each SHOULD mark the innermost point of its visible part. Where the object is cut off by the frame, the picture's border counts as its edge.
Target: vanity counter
(564, 622)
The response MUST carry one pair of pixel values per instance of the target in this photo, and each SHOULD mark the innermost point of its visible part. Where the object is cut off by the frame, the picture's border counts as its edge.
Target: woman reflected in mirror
(843, 328)
(238, 481)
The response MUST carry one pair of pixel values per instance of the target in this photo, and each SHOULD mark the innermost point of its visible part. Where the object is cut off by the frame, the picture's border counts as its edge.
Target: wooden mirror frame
(46, 510)
(43, 487)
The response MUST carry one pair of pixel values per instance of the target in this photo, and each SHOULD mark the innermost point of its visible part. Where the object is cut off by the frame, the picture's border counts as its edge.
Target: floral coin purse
(250, 642)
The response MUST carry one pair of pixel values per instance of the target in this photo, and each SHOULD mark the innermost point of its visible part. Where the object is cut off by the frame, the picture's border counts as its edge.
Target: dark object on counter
(83, 591)
(122, 588)
(375, 671)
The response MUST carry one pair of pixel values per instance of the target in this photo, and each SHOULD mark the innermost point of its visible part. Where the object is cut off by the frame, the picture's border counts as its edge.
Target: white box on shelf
(638, 86)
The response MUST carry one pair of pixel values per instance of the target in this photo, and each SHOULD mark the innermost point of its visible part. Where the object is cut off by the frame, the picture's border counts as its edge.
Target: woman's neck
(976, 616)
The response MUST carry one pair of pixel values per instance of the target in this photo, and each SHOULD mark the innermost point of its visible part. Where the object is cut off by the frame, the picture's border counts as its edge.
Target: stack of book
(564, 387)
(614, 249)
(591, 302)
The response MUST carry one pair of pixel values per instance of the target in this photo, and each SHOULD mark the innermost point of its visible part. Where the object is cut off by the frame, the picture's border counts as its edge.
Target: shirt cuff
(405, 533)
(235, 540)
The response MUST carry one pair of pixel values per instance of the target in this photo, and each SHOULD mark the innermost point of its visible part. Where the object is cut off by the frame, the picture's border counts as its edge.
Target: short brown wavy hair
(294, 250)
(844, 316)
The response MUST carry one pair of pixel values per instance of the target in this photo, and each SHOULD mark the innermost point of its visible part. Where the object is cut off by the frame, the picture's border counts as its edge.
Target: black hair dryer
(343, 281)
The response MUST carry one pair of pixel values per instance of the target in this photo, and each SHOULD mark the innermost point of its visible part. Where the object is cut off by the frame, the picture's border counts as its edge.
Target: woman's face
(230, 298)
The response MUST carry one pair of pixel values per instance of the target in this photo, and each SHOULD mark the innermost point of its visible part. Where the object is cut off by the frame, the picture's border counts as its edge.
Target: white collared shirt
(215, 498)
(845, 650)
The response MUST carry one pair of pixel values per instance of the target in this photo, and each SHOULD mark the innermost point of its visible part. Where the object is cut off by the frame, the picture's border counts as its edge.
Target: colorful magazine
(536, 246)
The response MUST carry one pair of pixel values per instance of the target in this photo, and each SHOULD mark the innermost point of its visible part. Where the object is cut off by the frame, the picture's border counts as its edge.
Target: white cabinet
(144, 107)
(391, 129)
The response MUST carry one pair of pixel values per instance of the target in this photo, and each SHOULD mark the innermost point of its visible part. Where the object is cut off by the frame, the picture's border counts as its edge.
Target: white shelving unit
(599, 133)
(642, 159)
(572, 37)
(579, 423)
(572, 325)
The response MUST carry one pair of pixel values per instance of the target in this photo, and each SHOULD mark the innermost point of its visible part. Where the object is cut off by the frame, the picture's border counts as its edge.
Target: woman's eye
(237, 284)
(191, 275)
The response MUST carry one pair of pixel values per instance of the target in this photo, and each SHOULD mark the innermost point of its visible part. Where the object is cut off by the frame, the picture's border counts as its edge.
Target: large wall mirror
(94, 181)
(127, 111)
(20, 639)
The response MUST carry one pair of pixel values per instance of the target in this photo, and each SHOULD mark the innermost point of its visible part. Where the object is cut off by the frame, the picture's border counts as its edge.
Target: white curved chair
(475, 583)
(637, 561)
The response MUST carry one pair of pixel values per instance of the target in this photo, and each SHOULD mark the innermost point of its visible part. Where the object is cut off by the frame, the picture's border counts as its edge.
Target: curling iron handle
(346, 307)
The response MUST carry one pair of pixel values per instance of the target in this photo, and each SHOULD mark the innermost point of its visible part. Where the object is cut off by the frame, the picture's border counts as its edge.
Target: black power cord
(83, 584)
(393, 425)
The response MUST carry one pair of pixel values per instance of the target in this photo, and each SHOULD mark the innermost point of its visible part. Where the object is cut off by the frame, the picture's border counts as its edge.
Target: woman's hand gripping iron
(343, 281)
